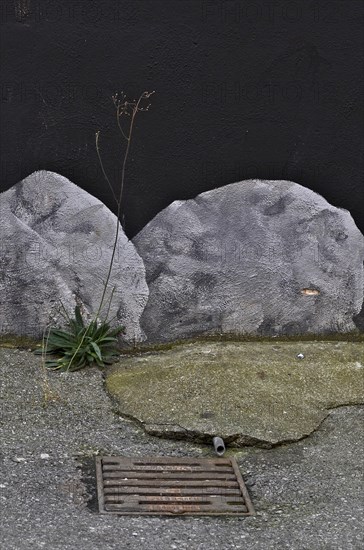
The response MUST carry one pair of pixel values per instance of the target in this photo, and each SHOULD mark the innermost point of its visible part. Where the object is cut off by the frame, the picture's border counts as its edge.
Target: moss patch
(247, 392)
(20, 342)
(355, 336)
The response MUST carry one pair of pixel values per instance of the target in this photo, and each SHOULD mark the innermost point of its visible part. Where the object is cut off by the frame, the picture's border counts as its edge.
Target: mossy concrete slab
(249, 393)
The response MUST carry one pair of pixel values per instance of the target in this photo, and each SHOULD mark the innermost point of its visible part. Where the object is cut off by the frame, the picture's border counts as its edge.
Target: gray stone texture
(56, 245)
(254, 257)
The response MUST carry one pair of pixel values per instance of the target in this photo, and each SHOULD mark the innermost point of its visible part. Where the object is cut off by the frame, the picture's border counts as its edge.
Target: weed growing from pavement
(82, 344)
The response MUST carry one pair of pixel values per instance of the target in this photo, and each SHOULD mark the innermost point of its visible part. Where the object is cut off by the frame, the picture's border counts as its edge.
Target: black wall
(244, 89)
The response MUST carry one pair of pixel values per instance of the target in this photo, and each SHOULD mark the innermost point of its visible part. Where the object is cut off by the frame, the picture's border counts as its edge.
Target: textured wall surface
(56, 248)
(254, 257)
(245, 89)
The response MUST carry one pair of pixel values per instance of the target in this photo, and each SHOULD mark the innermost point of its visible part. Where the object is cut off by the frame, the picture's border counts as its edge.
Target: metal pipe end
(219, 445)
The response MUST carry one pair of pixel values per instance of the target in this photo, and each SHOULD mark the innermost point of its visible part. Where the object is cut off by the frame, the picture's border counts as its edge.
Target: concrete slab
(249, 393)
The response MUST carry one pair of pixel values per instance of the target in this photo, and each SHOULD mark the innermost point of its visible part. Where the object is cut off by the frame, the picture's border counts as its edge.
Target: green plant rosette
(81, 345)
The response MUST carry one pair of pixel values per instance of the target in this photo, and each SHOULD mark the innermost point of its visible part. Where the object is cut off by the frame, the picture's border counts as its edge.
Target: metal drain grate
(169, 486)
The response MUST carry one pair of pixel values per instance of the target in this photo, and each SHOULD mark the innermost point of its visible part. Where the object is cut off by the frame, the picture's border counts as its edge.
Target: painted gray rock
(56, 246)
(254, 257)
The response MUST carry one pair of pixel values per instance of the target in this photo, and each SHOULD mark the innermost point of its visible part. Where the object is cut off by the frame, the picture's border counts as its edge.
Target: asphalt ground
(308, 495)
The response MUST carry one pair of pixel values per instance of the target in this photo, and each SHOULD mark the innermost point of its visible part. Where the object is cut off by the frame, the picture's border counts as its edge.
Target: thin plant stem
(102, 167)
(65, 314)
(126, 155)
(109, 306)
(121, 109)
(119, 125)
(48, 394)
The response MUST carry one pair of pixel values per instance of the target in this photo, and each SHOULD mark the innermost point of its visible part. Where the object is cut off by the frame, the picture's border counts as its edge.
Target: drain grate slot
(170, 486)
